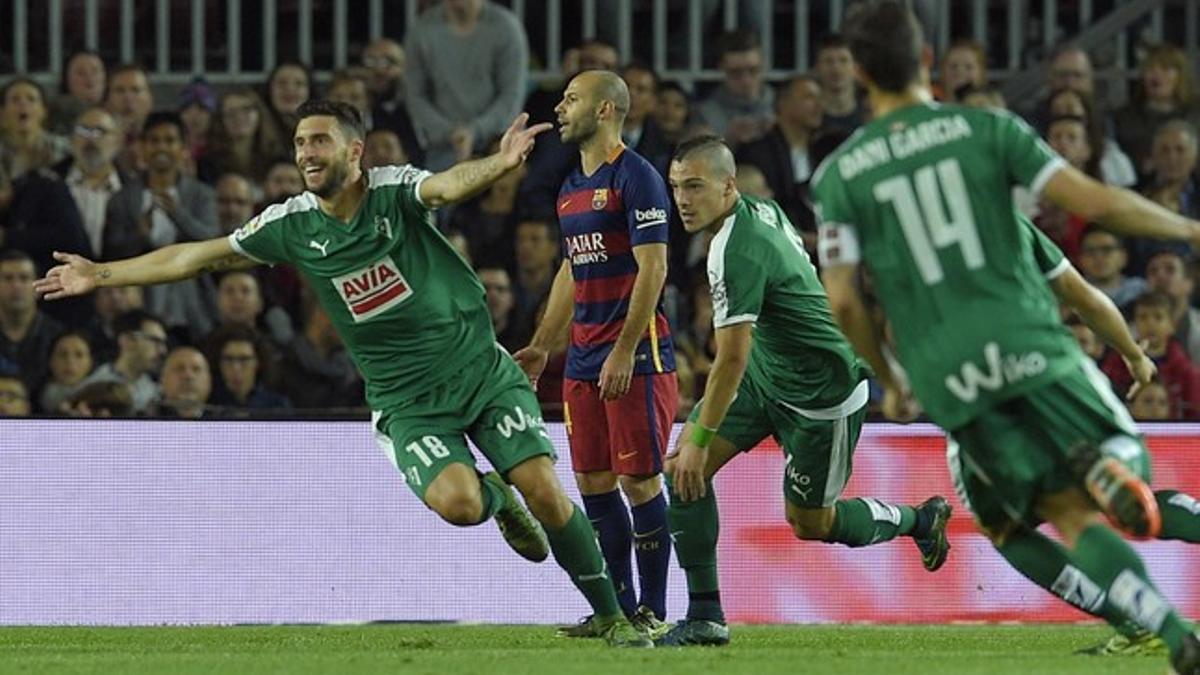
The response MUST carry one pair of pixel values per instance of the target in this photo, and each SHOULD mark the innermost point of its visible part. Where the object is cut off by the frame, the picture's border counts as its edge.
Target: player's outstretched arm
(467, 178)
(551, 333)
(1103, 317)
(1118, 209)
(78, 275)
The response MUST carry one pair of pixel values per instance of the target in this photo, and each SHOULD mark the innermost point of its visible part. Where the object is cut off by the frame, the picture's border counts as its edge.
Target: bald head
(605, 85)
(595, 101)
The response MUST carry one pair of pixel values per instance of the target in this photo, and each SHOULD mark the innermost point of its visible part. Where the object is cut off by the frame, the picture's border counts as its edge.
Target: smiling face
(324, 156)
(163, 147)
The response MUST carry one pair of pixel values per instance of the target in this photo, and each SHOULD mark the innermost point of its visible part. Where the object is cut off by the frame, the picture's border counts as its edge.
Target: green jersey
(923, 196)
(759, 272)
(408, 308)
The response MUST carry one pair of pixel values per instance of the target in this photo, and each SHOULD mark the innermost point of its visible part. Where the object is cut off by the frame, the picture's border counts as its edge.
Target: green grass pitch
(413, 649)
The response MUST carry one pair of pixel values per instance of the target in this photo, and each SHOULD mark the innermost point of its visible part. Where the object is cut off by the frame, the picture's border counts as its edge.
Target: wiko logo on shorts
(1001, 371)
(373, 290)
(649, 217)
(509, 424)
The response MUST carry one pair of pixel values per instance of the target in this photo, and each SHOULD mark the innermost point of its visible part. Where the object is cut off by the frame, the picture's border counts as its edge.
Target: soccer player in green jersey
(1035, 555)
(922, 196)
(413, 316)
(782, 369)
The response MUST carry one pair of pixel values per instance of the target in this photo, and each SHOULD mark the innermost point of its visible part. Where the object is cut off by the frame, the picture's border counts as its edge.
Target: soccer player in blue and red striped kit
(619, 391)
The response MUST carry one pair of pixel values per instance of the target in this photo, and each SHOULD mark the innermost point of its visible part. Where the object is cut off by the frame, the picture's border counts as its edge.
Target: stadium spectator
(466, 73)
(14, 397)
(283, 180)
(70, 363)
(103, 399)
(235, 202)
(91, 172)
(384, 60)
(751, 181)
(1166, 272)
(964, 64)
(844, 111)
(25, 331)
(163, 206)
(1086, 337)
(383, 147)
(607, 296)
(1151, 403)
(1173, 183)
(130, 101)
(243, 139)
(742, 108)
(1069, 137)
(197, 105)
(25, 143)
(349, 85)
(981, 97)
(186, 384)
(84, 78)
(1155, 327)
(498, 287)
(487, 220)
(1165, 91)
(641, 132)
(109, 303)
(240, 303)
(1068, 68)
(244, 361)
(1115, 166)
(141, 345)
(536, 247)
(1102, 259)
(673, 113)
(289, 84)
(463, 247)
(782, 154)
(316, 372)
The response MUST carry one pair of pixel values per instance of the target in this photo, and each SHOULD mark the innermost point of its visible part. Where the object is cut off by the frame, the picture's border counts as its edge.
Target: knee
(641, 489)
(458, 507)
(811, 524)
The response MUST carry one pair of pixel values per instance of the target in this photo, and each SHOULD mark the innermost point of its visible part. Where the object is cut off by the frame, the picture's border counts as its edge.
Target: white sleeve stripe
(417, 190)
(1039, 181)
(237, 246)
(1059, 269)
(653, 222)
(837, 244)
(731, 320)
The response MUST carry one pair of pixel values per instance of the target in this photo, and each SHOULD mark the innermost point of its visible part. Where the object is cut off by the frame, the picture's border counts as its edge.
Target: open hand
(533, 361)
(76, 276)
(616, 374)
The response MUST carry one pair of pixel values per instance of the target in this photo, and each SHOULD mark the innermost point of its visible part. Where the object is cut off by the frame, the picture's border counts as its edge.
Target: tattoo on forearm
(222, 264)
(471, 175)
(103, 273)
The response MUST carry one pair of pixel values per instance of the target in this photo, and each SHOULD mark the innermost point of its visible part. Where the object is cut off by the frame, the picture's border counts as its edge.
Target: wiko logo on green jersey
(509, 425)
(1001, 370)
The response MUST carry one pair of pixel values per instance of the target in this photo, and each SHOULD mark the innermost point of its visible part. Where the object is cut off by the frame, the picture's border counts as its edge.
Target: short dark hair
(886, 42)
(66, 65)
(738, 41)
(21, 79)
(701, 142)
(15, 254)
(347, 116)
(133, 320)
(831, 41)
(1154, 300)
(161, 118)
(642, 66)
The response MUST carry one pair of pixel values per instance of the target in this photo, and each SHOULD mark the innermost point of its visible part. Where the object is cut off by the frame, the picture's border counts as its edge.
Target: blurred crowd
(104, 168)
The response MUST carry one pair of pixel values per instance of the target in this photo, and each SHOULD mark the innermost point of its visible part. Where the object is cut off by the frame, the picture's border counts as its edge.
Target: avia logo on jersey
(649, 217)
(1001, 370)
(373, 290)
(509, 424)
(587, 248)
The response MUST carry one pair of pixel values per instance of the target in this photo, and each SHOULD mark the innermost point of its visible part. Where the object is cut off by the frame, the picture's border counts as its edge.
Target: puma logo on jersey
(1001, 370)
(372, 290)
(312, 243)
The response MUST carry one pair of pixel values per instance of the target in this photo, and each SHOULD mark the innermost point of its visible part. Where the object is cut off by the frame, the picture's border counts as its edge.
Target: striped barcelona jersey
(603, 216)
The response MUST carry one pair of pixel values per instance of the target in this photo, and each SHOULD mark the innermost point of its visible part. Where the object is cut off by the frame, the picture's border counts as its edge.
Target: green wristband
(702, 435)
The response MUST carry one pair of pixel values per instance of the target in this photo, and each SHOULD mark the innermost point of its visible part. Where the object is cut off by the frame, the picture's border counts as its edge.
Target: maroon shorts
(627, 436)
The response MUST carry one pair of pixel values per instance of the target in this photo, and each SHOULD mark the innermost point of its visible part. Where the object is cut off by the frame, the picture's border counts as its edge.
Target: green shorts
(1002, 461)
(490, 401)
(818, 445)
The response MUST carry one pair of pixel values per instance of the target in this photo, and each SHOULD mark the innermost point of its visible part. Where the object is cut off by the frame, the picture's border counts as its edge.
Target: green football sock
(493, 498)
(864, 521)
(1046, 563)
(1180, 516)
(577, 551)
(694, 531)
(1103, 556)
